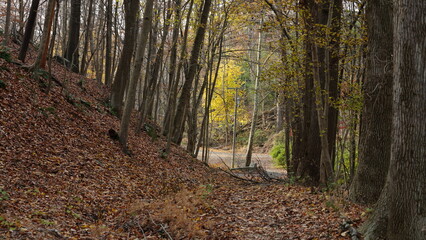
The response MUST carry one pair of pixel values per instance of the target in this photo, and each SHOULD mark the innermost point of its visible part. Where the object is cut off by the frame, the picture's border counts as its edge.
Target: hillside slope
(60, 170)
(63, 177)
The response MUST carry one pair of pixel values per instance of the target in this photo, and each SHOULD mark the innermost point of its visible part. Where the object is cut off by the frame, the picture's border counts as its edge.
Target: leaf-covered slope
(60, 170)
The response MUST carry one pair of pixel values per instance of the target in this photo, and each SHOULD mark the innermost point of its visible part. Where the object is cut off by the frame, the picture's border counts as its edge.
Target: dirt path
(218, 156)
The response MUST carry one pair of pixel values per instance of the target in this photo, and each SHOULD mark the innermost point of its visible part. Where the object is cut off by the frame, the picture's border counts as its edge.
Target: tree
(87, 38)
(400, 213)
(122, 74)
(8, 20)
(136, 71)
(376, 121)
(179, 119)
(71, 52)
(407, 175)
(44, 43)
(256, 96)
(29, 28)
(108, 47)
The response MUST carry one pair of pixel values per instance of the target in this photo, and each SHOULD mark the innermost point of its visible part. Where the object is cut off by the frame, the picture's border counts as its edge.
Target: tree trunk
(7, 24)
(136, 71)
(255, 101)
(179, 119)
(29, 28)
(123, 71)
(376, 122)
(333, 69)
(151, 81)
(407, 174)
(87, 38)
(44, 43)
(21, 17)
(71, 52)
(108, 47)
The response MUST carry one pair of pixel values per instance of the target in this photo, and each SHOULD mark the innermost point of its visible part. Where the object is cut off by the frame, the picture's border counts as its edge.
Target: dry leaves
(63, 177)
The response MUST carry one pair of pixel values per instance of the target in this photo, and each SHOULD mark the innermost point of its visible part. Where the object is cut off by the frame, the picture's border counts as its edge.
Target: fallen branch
(161, 226)
(234, 175)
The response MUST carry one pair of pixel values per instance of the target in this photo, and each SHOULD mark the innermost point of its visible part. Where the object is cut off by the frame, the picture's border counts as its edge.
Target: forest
(213, 119)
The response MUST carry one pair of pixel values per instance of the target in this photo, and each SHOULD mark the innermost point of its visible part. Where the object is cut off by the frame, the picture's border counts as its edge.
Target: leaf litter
(62, 177)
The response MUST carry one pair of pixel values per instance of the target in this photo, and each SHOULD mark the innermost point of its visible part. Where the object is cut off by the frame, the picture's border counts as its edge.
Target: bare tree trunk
(179, 119)
(44, 44)
(255, 100)
(71, 52)
(136, 71)
(7, 24)
(29, 28)
(108, 43)
(123, 72)
(21, 17)
(326, 169)
(87, 38)
(152, 79)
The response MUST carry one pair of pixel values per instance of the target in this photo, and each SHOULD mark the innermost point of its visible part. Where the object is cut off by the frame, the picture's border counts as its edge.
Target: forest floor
(62, 177)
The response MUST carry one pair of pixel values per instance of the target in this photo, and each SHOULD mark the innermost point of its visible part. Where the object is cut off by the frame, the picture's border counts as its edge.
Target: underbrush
(174, 217)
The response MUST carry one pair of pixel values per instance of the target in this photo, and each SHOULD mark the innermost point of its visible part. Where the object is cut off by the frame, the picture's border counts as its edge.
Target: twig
(140, 227)
(161, 225)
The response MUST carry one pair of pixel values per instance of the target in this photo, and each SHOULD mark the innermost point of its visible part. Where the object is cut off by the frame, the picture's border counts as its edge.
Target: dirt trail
(218, 156)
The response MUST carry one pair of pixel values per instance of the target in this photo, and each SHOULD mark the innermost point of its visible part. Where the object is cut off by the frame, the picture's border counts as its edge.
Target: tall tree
(376, 121)
(8, 20)
(29, 28)
(44, 43)
(256, 96)
(407, 175)
(108, 47)
(131, 8)
(136, 71)
(179, 119)
(71, 52)
(87, 38)
(400, 213)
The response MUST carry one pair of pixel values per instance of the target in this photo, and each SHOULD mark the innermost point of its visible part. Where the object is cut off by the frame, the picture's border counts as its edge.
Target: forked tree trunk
(44, 43)
(401, 214)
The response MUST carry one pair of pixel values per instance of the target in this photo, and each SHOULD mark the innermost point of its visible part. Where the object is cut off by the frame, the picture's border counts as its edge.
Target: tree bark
(44, 43)
(136, 71)
(7, 24)
(123, 71)
(29, 28)
(255, 101)
(179, 119)
(71, 52)
(376, 121)
(407, 174)
(108, 47)
(87, 38)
